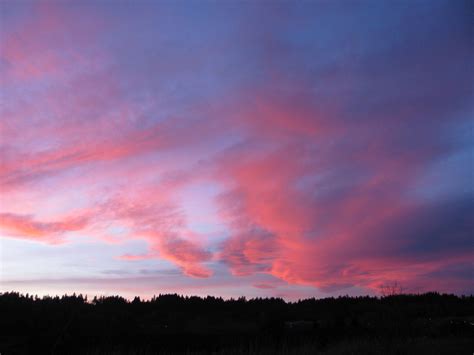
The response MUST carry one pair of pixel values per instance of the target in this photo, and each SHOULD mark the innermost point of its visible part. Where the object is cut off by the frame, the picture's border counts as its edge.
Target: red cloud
(189, 256)
(249, 253)
(24, 226)
(162, 227)
(264, 286)
(130, 257)
(328, 217)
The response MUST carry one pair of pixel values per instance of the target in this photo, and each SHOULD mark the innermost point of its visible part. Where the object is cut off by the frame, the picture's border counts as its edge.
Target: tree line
(173, 323)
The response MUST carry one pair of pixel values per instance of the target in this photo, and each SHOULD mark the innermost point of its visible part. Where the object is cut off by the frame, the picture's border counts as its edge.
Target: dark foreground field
(169, 324)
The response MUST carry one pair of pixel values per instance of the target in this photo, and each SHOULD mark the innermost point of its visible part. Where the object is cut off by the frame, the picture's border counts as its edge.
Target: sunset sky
(258, 148)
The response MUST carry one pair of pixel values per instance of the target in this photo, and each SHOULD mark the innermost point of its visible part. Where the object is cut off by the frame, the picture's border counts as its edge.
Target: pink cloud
(130, 257)
(188, 255)
(161, 224)
(25, 226)
(327, 233)
(264, 286)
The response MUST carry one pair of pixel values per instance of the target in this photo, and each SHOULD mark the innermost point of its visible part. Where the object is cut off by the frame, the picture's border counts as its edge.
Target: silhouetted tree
(173, 323)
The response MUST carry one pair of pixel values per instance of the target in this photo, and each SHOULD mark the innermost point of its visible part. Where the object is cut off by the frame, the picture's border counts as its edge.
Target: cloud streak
(25, 226)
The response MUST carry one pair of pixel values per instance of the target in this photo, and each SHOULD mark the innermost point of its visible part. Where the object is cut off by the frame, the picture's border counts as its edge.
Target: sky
(236, 148)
